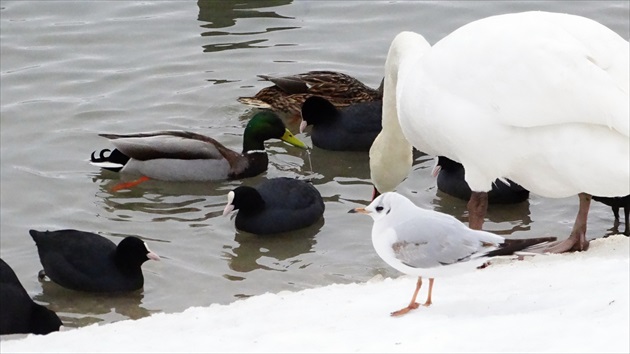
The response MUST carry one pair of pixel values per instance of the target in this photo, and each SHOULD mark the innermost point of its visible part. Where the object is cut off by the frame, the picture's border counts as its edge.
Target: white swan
(539, 98)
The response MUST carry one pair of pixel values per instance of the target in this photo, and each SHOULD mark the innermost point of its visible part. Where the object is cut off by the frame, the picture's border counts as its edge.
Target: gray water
(71, 70)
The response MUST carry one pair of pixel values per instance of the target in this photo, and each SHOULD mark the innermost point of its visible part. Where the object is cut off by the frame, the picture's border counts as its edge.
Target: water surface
(73, 69)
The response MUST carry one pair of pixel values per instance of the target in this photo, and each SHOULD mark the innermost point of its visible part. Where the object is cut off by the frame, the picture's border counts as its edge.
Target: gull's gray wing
(433, 241)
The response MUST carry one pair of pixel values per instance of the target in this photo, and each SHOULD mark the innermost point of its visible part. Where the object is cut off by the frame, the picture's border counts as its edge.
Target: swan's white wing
(552, 69)
(539, 98)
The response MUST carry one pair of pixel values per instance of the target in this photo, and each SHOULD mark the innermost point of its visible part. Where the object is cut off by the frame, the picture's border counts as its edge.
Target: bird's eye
(379, 208)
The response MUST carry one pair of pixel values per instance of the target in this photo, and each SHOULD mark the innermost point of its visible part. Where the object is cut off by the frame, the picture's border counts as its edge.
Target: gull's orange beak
(359, 211)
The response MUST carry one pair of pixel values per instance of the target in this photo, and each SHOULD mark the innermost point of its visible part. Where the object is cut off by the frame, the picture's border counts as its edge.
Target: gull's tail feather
(511, 246)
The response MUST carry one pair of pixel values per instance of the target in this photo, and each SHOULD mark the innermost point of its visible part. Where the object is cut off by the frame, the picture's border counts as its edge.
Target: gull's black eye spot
(379, 208)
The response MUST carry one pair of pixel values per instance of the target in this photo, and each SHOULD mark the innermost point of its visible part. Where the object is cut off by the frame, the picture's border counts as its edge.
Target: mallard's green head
(267, 125)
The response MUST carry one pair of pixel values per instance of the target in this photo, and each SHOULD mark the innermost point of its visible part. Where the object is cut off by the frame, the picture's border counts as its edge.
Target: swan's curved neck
(391, 153)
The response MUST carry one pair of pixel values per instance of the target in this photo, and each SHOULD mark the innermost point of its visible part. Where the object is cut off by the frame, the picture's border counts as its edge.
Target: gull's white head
(387, 205)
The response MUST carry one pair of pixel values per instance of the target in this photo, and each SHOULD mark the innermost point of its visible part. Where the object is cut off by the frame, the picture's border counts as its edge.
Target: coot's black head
(132, 252)
(318, 110)
(246, 199)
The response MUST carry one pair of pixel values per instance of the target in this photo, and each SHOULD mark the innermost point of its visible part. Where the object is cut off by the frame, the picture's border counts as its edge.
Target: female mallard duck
(289, 92)
(352, 128)
(186, 156)
(540, 98)
(451, 180)
(275, 205)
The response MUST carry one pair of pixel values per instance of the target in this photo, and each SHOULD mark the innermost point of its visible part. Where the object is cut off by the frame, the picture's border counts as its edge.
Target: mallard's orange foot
(403, 311)
(129, 185)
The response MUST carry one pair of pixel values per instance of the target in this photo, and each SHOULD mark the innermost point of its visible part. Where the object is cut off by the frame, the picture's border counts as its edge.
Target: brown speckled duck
(289, 92)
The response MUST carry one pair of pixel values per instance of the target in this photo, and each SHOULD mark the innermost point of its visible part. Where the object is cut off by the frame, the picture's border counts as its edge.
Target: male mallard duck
(86, 261)
(351, 128)
(186, 156)
(289, 92)
(450, 180)
(20, 314)
(275, 205)
(540, 98)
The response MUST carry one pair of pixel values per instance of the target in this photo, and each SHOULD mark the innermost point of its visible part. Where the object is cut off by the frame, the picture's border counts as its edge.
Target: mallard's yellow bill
(289, 138)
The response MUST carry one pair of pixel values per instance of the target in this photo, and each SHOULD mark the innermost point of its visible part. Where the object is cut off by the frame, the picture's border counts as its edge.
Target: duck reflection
(79, 309)
(273, 252)
(163, 201)
(222, 14)
(509, 218)
(352, 166)
(333, 165)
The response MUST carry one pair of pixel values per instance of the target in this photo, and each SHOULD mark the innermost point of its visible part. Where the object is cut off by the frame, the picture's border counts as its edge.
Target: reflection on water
(163, 201)
(222, 14)
(506, 218)
(219, 13)
(141, 69)
(270, 252)
(347, 164)
(616, 229)
(78, 309)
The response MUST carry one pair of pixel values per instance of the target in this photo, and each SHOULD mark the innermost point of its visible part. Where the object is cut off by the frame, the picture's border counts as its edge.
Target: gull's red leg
(413, 304)
(429, 302)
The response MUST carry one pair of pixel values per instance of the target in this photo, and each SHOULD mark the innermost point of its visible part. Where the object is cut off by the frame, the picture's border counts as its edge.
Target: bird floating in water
(187, 156)
(535, 97)
(289, 92)
(20, 314)
(351, 128)
(427, 243)
(274, 206)
(86, 261)
(450, 180)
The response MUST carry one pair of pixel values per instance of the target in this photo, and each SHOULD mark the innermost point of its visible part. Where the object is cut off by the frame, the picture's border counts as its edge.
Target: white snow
(574, 302)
